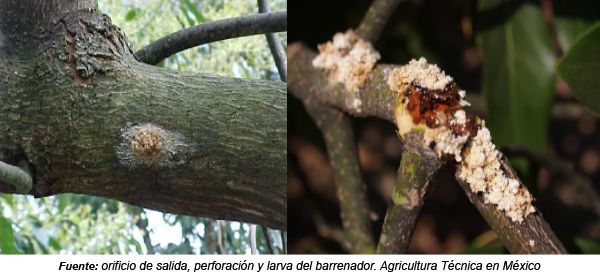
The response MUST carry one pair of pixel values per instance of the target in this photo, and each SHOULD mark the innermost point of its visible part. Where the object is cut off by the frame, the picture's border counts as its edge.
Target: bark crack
(93, 46)
(71, 58)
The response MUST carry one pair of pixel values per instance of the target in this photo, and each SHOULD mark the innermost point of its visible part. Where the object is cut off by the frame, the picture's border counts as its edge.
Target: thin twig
(253, 249)
(220, 237)
(268, 242)
(377, 16)
(143, 226)
(277, 51)
(229, 237)
(284, 241)
(331, 232)
(341, 149)
(336, 128)
(413, 184)
(211, 32)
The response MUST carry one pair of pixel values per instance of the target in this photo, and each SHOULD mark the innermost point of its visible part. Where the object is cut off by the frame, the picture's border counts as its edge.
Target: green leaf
(194, 10)
(39, 246)
(27, 245)
(136, 244)
(10, 200)
(181, 23)
(54, 244)
(580, 67)
(63, 201)
(518, 73)
(7, 241)
(572, 18)
(587, 246)
(132, 14)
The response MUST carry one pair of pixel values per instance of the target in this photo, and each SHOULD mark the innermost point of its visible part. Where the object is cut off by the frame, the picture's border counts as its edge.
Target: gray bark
(76, 105)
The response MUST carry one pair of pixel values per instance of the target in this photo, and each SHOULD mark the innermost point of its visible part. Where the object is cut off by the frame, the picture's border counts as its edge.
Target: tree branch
(332, 233)
(110, 126)
(341, 149)
(277, 51)
(268, 242)
(377, 16)
(284, 241)
(376, 98)
(532, 236)
(142, 224)
(337, 130)
(413, 183)
(221, 234)
(17, 176)
(211, 32)
(417, 166)
(253, 249)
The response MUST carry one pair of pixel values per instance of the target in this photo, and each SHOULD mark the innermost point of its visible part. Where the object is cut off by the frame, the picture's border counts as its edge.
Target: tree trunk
(91, 119)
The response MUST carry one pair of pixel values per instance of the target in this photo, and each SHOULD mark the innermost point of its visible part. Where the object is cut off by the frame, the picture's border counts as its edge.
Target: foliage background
(505, 55)
(89, 225)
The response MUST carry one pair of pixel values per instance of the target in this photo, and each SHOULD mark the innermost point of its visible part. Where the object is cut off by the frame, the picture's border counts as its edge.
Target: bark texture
(413, 183)
(76, 103)
(376, 97)
(351, 190)
(532, 236)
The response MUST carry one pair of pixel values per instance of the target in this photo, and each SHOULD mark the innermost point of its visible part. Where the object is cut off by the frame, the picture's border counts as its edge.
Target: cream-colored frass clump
(347, 59)
(482, 170)
(419, 72)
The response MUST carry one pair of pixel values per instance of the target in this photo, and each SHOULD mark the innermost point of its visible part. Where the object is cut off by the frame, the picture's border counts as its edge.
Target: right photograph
(443, 127)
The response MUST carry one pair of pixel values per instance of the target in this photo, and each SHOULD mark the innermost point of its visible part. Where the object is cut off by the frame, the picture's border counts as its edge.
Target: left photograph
(143, 127)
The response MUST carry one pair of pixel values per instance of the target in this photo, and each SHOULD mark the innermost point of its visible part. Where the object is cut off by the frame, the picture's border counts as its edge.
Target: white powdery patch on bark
(347, 59)
(149, 145)
(482, 170)
(419, 72)
(446, 143)
(355, 103)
